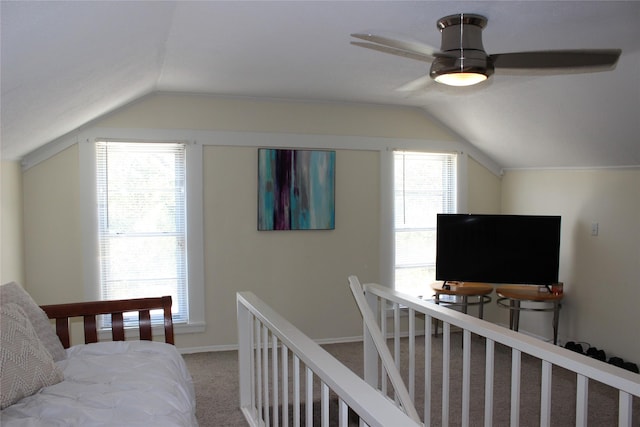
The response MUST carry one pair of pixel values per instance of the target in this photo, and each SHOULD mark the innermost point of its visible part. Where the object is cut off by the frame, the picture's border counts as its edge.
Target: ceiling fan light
(461, 79)
(461, 68)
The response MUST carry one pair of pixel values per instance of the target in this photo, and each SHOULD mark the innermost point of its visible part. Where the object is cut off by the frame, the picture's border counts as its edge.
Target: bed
(137, 382)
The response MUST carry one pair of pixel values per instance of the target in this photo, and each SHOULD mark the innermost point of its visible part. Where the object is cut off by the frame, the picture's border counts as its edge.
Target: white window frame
(195, 228)
(387, 199)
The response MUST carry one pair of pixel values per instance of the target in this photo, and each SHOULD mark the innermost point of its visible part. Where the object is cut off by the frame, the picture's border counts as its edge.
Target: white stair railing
(272, 352)
(380, 298)
(374, 333)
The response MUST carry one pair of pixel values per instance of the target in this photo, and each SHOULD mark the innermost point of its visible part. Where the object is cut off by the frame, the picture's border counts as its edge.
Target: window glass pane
(424, 185)
(415, 281)
(148, 258)
(415, 247)
(141, 217)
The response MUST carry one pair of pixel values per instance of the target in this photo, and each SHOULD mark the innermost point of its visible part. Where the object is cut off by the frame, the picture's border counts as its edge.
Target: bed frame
(89, 310)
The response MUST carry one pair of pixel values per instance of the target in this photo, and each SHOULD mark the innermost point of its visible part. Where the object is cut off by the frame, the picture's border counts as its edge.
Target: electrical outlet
(594, 228)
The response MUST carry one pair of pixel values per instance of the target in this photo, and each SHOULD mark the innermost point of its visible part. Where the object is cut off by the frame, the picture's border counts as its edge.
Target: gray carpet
(215, 376)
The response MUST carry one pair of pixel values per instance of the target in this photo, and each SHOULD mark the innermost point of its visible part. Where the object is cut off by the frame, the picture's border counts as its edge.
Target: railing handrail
(605, 373)
(381, 345)
(374, 408)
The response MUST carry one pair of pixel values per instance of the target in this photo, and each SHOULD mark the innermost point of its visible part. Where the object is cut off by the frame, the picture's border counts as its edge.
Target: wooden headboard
(89, 310)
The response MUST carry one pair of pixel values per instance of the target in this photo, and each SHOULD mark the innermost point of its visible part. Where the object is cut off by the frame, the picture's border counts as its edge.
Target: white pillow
(25, 364)
(13, 293)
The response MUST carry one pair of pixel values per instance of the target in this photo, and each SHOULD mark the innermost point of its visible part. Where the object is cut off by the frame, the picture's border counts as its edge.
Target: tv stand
(515, 294)
(458, 293)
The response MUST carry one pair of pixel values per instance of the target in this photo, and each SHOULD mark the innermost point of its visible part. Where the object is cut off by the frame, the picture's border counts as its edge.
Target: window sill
(189, 328)
(132, 332)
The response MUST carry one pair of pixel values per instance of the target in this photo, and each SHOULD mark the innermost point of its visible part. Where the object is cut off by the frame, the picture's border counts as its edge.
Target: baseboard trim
(539, 337)
(322, 341)
(207, 349)
(234, 347)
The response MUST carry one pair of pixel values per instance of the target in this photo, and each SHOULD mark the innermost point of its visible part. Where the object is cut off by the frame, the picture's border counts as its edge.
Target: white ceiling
(64, 64)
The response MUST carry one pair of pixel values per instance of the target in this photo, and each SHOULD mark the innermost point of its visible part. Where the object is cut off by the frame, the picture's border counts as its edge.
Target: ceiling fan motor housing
(461, 50)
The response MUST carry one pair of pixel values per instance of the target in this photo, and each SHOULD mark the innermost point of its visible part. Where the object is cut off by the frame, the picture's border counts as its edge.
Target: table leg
(556, 317)
(465, 305)
(481, 308)
(436, 320)
(514, 314)
(511, 302)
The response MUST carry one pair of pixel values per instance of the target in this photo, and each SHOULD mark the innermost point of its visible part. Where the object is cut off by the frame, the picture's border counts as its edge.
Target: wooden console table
(460, 293)
(515, 294)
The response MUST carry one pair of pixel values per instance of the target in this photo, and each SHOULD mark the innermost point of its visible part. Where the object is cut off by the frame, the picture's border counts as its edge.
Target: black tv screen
(517, 249)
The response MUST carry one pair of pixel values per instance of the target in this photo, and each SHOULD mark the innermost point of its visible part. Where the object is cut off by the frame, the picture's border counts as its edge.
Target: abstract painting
(296, 189)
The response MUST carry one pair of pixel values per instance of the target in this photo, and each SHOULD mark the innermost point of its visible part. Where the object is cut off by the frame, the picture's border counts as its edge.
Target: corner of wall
(11, 232)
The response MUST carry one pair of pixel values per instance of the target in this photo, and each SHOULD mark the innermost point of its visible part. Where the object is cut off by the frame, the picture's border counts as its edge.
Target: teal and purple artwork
(296, 189)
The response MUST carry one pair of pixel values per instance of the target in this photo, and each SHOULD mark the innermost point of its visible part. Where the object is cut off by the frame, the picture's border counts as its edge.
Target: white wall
(11, 250)
(52, 233)
(201, 112)
(600, 273)
(484, 190)
(302, 274)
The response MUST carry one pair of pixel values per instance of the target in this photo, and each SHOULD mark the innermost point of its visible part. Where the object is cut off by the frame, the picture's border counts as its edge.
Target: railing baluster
(296, 391)
(545, 394)
(265, 373)
(396, 334)
(252, 361)
(582, 395)
(309, 397)
(427, 370)
(285, 386)
(466, 376)
(383, 328)
(625, 409)
(412, 354)
(515, 387)
(324, 402)
(343, 413)
(446, 354)
(258, 351)
(275, 376)
(488, 382)
(396, 344)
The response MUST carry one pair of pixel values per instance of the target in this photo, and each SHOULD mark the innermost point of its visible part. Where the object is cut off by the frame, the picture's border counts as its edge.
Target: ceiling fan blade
(416, 85)
(406, 45)
(561, 59)
(394, 51)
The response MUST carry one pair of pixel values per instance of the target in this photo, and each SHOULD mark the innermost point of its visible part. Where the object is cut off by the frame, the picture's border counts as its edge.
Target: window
(424, 185)
(142, 231)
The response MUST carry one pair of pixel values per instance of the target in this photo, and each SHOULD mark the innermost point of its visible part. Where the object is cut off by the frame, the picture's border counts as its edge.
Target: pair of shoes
(597, 354)
(574, 347)
(629, 366)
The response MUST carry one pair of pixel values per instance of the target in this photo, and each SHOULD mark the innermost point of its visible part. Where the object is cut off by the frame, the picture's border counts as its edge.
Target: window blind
(141, 222)
(425, 184)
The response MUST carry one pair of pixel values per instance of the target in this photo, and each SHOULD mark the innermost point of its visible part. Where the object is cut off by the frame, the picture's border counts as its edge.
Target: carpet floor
(215, 376)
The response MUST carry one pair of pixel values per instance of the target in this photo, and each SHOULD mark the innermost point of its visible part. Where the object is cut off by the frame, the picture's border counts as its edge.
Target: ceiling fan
(462, 60)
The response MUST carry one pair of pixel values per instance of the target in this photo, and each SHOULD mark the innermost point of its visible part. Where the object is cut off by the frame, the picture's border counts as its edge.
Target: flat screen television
(515, 249)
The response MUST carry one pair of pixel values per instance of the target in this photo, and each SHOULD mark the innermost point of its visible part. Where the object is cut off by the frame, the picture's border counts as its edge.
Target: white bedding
(125, 383)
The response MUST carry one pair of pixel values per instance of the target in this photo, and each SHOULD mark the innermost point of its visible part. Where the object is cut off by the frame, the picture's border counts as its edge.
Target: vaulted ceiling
(66, 63)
